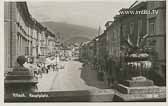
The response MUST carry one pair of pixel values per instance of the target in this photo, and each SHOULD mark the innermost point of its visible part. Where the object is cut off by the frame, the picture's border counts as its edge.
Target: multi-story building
(37, 33)
(144, 31)
(22, 33)
(43, 42)
(133, 26)
(84, 51)
(18, 32)
(51, 43)
(113, 39)
(102, 50)
(156, 28)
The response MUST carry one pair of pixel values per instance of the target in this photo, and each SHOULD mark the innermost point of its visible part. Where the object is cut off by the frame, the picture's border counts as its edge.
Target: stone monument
(20, 79)
(138, 87)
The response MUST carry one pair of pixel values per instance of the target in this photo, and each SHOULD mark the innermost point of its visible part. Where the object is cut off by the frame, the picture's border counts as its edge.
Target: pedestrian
(43, 68)
(57, 67)
(46, 68)
(39, 71)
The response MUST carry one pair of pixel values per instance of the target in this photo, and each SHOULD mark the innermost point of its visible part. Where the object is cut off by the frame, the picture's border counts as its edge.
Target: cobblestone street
(72, 77)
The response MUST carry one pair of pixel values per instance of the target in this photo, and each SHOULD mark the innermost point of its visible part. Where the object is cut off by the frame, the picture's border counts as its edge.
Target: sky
(91, 14)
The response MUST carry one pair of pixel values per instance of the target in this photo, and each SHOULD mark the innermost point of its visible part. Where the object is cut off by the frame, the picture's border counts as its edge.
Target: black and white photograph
(84, 51)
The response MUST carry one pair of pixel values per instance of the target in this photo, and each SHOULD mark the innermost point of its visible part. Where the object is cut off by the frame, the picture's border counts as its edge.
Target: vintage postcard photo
(85, 51)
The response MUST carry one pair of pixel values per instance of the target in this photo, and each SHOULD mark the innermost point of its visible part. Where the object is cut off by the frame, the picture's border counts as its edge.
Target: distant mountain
(76, 40)
(71, 33)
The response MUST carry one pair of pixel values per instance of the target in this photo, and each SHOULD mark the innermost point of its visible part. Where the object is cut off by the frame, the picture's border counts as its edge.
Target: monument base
(139, 89)
(133, 83)
(153, 97)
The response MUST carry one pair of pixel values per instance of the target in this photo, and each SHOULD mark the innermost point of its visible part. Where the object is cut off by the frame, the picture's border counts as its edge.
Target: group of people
(43, 68)
(40, 68)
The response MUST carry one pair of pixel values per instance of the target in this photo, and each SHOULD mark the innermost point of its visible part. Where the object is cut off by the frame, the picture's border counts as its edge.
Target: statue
(21, 79)
(21, 60)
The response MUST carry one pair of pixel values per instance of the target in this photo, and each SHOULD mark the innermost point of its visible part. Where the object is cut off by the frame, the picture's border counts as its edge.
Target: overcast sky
(91, 14)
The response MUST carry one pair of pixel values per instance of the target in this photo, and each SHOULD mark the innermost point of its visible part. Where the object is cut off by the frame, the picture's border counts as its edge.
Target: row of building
(142, 20)
(24, 35)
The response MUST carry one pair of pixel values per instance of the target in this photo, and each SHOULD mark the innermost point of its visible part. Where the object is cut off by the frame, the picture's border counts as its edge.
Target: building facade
(143, 31)
(113, 40)
(22, 33)
(18, 32)
(156, 28)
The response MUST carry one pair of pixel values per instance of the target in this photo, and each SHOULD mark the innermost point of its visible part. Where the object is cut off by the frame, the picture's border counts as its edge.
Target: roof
(23, 8)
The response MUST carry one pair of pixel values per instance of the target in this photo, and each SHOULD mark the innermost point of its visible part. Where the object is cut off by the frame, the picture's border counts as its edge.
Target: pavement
(72, 78)
(46, 81)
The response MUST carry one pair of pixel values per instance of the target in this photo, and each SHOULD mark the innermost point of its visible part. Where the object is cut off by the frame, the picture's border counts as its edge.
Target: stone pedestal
(133, 83)
(19, 81)
(140, 89)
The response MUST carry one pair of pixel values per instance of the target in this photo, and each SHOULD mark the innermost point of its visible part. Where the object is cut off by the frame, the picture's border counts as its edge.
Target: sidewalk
(46, 81)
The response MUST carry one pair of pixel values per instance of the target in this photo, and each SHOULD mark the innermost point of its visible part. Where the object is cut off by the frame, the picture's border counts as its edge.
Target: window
(26, 50)
(139, 27)
(124, 30)
(152, 26)
(107, 37)
(131, 28)
(113, 35)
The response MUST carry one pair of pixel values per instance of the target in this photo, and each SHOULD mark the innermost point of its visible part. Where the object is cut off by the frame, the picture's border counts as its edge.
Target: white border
(57, 103)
